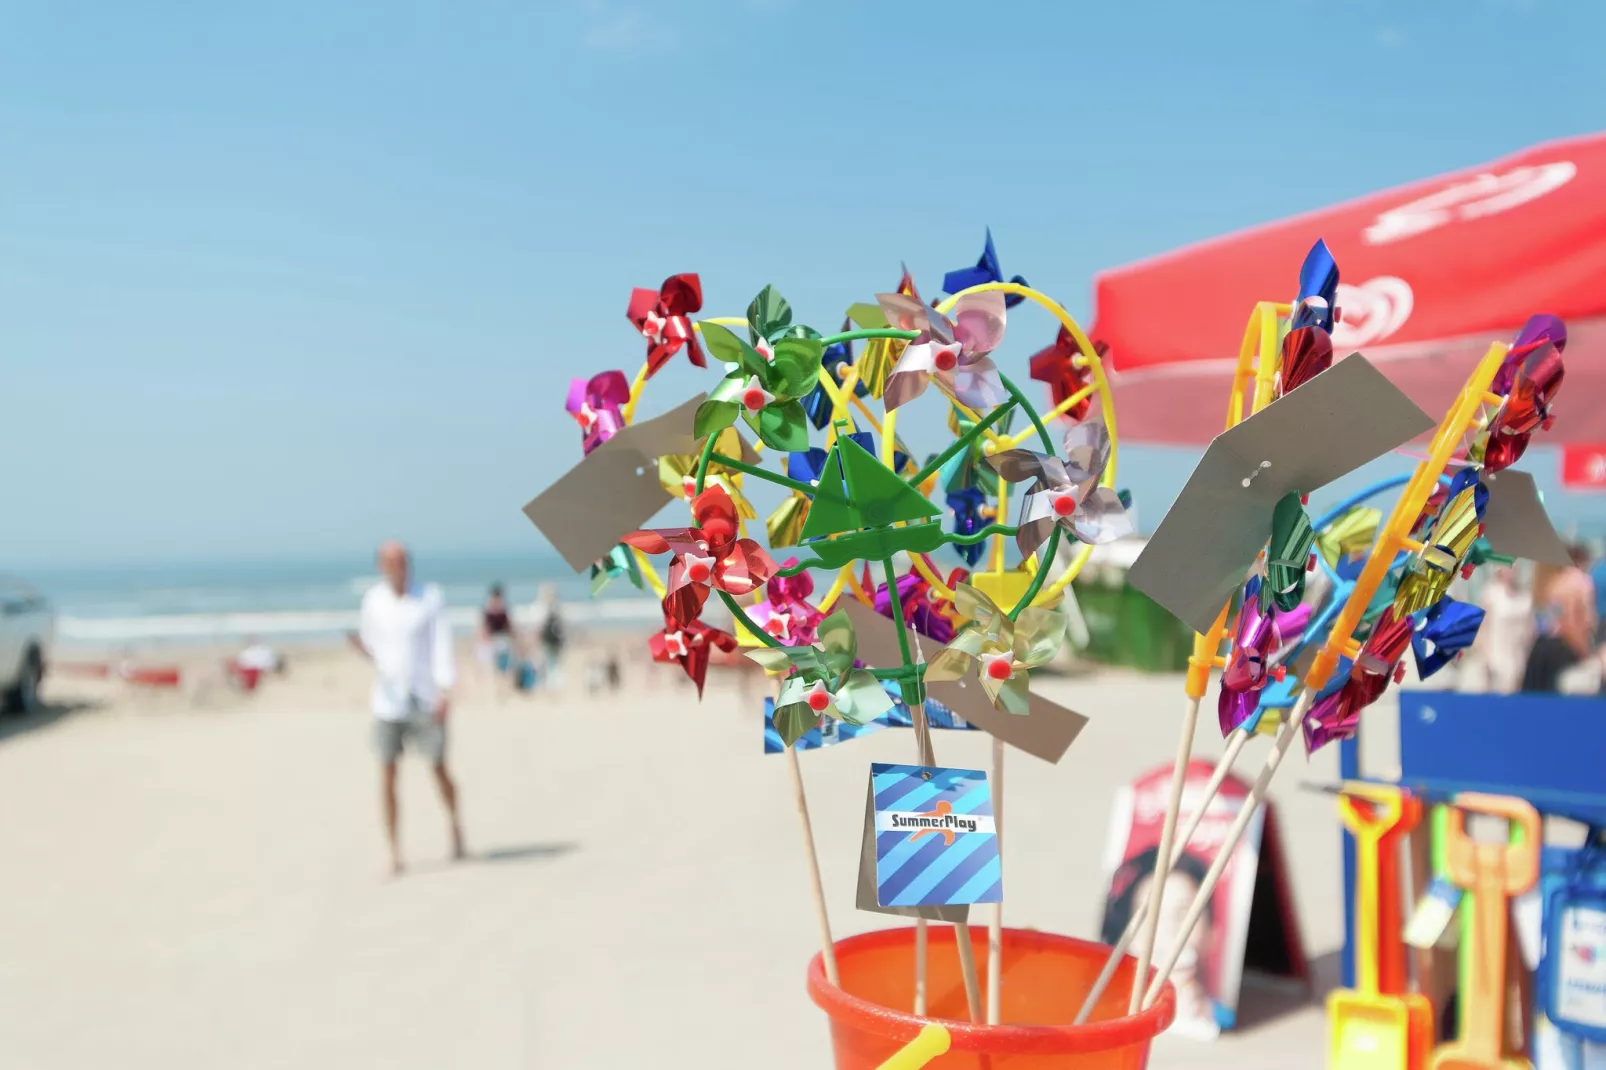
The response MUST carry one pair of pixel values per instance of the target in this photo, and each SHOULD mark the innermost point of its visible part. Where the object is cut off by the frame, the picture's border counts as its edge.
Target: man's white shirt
(410, 640)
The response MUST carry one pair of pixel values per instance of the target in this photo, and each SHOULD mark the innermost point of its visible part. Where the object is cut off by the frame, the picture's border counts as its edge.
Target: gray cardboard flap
(1342, 419)
(615, 489)
(1515, 521)
(1047, 732)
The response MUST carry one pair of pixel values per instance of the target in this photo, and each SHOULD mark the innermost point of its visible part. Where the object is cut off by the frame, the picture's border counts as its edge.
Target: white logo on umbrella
(1371, 311)
(1473, 198)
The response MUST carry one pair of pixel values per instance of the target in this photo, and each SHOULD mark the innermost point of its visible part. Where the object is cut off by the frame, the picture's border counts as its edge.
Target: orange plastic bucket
(1045, 978)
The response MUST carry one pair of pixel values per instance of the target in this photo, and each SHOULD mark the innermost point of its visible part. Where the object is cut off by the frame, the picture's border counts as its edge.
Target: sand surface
(205, 885)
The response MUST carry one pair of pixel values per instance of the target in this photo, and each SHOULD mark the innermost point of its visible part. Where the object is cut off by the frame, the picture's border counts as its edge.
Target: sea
(304, 599)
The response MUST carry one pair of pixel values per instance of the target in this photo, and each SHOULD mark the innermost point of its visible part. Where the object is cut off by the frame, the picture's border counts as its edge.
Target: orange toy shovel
(1492, 873)
(1378, 1025)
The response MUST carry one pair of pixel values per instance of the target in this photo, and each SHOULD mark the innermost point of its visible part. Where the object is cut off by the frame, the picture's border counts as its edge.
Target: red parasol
(1430, 274)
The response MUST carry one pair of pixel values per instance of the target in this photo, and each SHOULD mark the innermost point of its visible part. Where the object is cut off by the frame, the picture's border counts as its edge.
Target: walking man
(405, 633)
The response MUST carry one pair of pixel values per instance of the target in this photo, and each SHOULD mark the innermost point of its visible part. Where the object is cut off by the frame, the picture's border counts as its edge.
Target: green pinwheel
(1002, 651)
(770, 374)
(1287, 554)
(823, 681)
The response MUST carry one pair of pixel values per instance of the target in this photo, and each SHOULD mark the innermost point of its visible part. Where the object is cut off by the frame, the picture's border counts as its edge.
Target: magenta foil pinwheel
(786, 612)
(1249, 661)
(1066, 493)
(596, 405)
(953, 353)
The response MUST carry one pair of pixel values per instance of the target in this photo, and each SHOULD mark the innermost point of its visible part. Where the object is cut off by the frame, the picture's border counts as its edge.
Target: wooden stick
(821, 916)
(967, 969)
(1162, 857)
(1235, 743)
(920, 967)
(1201, 902)
(995, 924)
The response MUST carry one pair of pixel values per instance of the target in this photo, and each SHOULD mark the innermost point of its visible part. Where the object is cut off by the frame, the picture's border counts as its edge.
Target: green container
(1127, 627)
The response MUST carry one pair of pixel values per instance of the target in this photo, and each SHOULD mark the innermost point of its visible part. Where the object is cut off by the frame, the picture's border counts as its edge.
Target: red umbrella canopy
(1430, 274)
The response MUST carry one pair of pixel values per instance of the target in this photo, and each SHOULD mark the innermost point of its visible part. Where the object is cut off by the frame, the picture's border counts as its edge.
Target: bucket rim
(903, 1026)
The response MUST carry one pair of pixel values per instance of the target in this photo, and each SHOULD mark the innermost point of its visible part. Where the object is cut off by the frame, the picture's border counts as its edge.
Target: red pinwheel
(785, 612)
(690, 645)
(1537, 360)
(707, 557)
(1307, 352)
(595, 404)
(1337, 715)
(663, 317)
(1066, 371)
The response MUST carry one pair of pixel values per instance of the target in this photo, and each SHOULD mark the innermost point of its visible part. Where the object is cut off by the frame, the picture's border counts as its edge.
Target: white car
(27, 630)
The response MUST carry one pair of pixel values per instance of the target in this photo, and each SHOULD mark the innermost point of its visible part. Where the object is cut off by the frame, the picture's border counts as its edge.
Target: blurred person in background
(1565, 658)
(1499, 654)
(497, 644)
(553, 634)
(405, 633)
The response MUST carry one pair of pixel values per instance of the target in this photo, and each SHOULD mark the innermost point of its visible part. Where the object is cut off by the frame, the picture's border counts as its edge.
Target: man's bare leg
(443, 780)
(387, 789)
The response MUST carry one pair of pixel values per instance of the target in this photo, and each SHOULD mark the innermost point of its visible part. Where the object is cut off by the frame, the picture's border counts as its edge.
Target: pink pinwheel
(785, 612)
(707, 557)
(1066, 493)
(1536, 359)
(953, 352)
(1337, 714)
(663, 316)
(1249, 661)
(595, 405)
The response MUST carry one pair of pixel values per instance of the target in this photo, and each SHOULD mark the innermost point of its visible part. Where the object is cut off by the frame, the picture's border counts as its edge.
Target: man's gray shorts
(420, 731)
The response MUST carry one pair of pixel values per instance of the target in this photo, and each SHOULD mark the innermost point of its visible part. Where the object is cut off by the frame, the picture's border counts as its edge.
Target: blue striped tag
(937, 715)
(935, 841)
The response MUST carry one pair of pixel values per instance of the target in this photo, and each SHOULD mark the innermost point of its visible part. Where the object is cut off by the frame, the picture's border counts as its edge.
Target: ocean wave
(609, 613)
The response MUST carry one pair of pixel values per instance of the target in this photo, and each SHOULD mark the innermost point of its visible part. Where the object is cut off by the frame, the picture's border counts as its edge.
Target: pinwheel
(1349, 535)
(835, 362)
(1062, 366)
(1443, 631)
(1318, 288)
(619, 562)
(969, 467)
(1307, 352)
(1066, 492)
(1540, 331)
(663, 317)
(1001, 650)
(708, 556)
(1336, 715)
(1431, 569)
(971, 514)
(823, 681)
(926, 611)
(1528, 404)
(950, 352)
(690, 645)
(677, 474)
(1288, 555)
(770, 374)
(1249, 660)
(595, 404)
(785, 612)
(986, 270)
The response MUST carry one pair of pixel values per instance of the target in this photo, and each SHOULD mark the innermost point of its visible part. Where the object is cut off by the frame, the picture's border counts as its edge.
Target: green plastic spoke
(963, 441)
(977, 536)
(761, 473)
(869, 332)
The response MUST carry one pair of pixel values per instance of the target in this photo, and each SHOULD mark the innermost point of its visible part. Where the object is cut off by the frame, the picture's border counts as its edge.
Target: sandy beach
(204, 886)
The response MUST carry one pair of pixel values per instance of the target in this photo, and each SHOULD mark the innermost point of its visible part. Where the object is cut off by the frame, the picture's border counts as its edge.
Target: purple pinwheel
(953, 352)
(595, 405)
(1249, 662)
(1336, 714)
(1066, 493)
(921, 605)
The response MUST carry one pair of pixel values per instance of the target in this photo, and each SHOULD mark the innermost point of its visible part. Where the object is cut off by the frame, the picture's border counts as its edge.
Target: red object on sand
(152, 675)
(1429, 274)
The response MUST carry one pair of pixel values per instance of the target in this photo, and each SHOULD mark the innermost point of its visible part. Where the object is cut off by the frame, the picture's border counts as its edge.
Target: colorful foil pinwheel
(1001, 650)
(926, 611)
(986, 270)
(1431, 570)
(971, 514)
(1336, 715)
(663, 317)
(619, 562)
(1307, 352)
(1062, 366)
(823, 681)
(1256, 639)
(708, 557)
(1535, 376)
(950, 352)
(677, 474)
(1318, 289)
(1443, 631)
(595, 404)
(771, 374)
(1348, 535)
(1288, 554)
(785, 612)
(690, 645)
(1066, 493)
(834, 362)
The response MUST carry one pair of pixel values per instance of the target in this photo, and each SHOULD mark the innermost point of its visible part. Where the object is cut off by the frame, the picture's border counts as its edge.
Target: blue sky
(283, 279)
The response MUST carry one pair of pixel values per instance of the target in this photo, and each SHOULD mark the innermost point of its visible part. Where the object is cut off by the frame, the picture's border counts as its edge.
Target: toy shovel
(1377, 1025)
(1492, 873)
